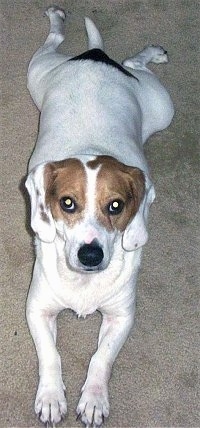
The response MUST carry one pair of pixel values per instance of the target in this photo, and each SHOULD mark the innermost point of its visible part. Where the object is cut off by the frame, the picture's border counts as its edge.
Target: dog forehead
(110, 173)
(69, 173)
(86, 178)
(104, 161)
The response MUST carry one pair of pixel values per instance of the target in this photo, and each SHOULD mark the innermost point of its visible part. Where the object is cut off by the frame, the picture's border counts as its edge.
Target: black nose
(90, 254)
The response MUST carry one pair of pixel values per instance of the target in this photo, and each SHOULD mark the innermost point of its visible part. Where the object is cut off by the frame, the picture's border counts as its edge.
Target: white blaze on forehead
(91, 189)
(91, 195)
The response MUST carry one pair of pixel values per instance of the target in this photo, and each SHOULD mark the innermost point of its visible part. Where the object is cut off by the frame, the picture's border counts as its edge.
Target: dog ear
(135, 234)
(41, 218)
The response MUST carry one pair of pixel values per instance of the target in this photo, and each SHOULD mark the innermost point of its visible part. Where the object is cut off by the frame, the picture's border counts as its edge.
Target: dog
(90, 191)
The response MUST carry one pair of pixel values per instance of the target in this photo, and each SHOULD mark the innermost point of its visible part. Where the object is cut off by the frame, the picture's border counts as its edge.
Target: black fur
(100, 56)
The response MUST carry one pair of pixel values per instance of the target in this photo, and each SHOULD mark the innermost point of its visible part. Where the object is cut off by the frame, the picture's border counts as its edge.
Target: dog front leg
(50, 403)
(94, 404)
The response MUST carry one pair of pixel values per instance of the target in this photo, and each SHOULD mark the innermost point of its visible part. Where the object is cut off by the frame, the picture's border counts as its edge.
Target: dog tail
(94, 37)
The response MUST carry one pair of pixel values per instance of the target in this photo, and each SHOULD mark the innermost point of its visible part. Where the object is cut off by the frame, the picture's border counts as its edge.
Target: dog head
(90, 205)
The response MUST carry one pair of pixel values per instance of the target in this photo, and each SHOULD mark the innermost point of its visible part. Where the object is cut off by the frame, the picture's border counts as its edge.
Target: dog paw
(93, 406)
(159, 55)
(50, 403)
(57, 10)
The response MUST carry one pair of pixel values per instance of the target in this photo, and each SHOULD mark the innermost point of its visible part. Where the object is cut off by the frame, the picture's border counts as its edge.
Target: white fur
(87, 109)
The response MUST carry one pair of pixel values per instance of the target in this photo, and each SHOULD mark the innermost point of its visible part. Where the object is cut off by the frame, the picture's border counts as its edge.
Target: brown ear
(135, 234)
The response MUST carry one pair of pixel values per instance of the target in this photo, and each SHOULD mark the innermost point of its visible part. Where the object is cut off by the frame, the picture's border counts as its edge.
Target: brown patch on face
(116, 181)
(65, 178)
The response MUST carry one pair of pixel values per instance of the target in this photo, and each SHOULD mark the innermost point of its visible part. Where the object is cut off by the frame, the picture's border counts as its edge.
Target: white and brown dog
(90, 193)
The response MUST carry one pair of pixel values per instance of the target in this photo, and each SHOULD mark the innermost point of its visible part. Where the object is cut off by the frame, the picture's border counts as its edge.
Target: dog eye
(68, 204)
(115, 207)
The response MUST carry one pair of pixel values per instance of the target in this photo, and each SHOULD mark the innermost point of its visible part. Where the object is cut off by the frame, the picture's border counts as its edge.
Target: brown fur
(117, 181)
(66, 178)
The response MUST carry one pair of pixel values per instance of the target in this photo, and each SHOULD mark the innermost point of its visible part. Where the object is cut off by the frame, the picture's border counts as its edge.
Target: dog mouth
(93, 269)
(86, 269)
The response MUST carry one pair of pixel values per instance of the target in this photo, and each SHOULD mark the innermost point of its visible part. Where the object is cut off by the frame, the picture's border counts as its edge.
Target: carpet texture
(154, 380)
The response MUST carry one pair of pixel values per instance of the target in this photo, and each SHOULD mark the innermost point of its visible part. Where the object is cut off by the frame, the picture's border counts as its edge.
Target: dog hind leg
(46, 58)
(57, 18)
(56, 36)
(155, 54)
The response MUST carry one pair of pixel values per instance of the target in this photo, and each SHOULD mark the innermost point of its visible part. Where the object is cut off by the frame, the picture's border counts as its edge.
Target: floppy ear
(135, 234)
(41, 218)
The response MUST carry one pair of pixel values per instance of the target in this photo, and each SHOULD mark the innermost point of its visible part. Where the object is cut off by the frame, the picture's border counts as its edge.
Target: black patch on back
(99, 56)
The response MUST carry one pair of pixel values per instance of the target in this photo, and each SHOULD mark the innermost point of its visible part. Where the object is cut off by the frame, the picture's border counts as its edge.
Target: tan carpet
(154, 381)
